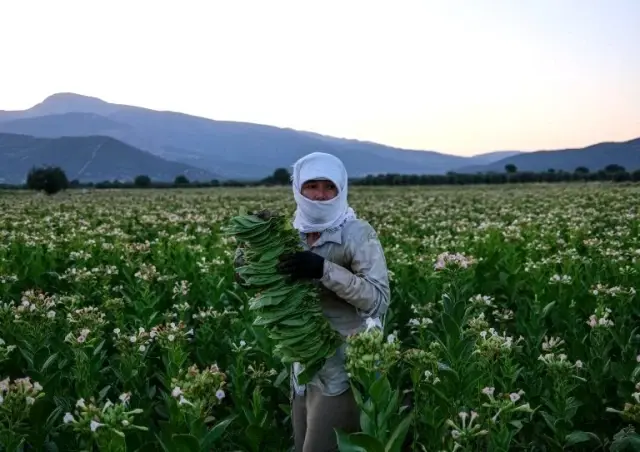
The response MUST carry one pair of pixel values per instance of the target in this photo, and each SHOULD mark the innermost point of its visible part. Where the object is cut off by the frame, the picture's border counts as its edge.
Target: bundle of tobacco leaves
(290, 311)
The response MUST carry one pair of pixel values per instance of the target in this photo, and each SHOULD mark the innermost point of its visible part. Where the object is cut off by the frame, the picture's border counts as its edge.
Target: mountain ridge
(250, 151)
(593, 157)
(230, 148)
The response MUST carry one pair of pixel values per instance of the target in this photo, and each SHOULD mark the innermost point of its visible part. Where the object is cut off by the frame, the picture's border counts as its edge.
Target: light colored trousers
(314, 417)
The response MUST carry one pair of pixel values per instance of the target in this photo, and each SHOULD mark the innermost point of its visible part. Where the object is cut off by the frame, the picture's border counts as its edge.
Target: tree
(281, 176)
(50, 179)
(511, 168)
(582, 170)
(181, 180)
(613, 168)
(142, 181)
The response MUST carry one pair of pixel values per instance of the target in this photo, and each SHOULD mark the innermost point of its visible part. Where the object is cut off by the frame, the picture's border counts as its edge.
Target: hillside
(88, 159)
(231, 149)
(239, 150)
(595, 157)
(65, 124)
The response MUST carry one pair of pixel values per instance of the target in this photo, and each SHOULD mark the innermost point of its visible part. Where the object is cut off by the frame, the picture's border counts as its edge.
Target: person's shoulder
(359, 229)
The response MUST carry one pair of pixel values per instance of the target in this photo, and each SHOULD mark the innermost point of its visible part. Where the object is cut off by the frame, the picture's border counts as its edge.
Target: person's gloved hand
(302, 265)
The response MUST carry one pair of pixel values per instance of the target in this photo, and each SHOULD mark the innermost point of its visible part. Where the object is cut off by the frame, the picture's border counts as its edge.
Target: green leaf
(215, 433)
(399, 434)
(98, 348)
(550, 420)
(255, 434)
(281, 377)
(451, 327)
(546, 309)
(626, 442)
(380, 391)
(49, 361)
(578, 437)
(103, 392)
(357, 442)
(185, 442)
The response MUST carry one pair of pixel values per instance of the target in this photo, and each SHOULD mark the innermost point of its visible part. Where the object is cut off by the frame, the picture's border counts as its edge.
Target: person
(343, 255)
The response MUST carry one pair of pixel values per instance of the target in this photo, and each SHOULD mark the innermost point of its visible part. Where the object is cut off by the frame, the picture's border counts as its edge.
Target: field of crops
(513, 322)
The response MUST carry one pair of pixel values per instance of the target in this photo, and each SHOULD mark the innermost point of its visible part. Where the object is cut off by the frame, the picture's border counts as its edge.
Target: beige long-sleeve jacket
(354, 287)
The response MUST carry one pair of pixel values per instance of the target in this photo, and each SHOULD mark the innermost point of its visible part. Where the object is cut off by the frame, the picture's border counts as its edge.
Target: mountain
(490, 157)
(231, 149)
(61, 103)
(88, 159)
(595, 158)
(240, 150)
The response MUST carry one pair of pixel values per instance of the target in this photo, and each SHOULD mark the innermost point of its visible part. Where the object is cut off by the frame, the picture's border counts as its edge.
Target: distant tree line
(51, 180)
(613, 173)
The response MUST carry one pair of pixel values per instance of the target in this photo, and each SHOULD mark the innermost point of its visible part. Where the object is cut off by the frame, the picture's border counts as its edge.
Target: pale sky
(460, 77)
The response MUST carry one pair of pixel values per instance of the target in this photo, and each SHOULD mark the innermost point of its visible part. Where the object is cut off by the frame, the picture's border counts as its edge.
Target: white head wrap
(316, 216)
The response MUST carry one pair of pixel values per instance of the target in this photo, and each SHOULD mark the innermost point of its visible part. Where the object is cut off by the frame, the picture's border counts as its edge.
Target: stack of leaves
(289, 310)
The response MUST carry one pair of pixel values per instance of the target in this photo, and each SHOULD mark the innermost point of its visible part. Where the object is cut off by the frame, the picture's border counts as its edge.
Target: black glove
(302, 265)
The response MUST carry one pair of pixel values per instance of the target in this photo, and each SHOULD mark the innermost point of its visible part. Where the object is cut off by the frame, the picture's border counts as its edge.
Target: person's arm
(367, 286)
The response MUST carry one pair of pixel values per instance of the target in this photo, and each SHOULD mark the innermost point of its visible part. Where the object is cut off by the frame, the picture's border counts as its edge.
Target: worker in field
(343, 254)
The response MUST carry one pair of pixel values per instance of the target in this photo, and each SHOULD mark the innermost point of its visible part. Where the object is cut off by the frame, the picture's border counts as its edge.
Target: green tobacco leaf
(48, 362)
(547, 309)
(289, 311)
(627, 442)
(358, 442)
(380, 391)
(399, 434)
(185, 442)
(215, 433)
(578, 437)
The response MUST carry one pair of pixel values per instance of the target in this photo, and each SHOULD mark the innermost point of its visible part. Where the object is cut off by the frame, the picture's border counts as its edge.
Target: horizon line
(360, 140)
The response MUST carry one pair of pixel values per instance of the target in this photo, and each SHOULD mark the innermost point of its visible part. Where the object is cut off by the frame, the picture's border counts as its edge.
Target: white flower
(220, 394)
(125, 397)
(68, 417)
(488, 391)
(176, 391)
(95, 425)
(371, 323)
(80, 403)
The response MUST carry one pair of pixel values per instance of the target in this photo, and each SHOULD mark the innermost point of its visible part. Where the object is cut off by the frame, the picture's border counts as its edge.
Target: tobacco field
(513, 325)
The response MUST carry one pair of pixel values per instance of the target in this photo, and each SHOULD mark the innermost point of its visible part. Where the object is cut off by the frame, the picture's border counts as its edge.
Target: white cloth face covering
(317, 216)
